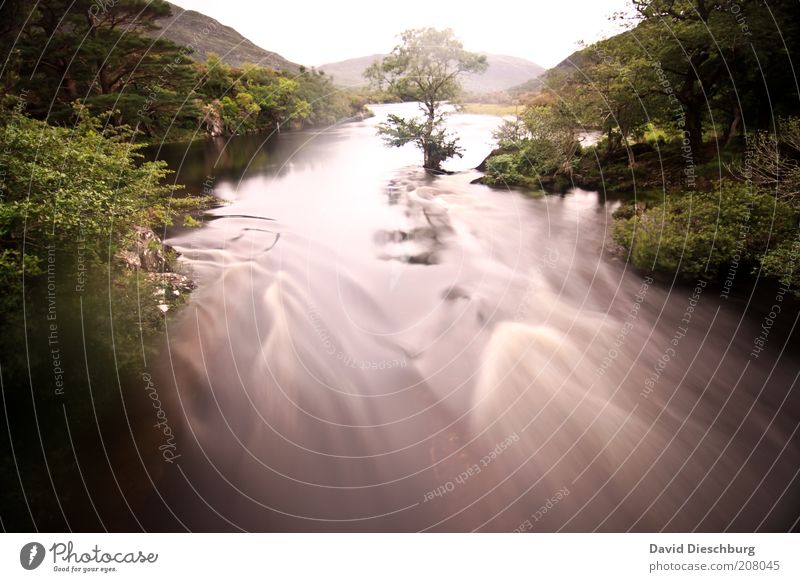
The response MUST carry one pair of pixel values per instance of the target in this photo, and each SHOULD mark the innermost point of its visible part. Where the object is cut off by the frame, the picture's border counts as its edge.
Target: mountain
(503, 72)
(576, 61)
(349, 73)
(207, 35)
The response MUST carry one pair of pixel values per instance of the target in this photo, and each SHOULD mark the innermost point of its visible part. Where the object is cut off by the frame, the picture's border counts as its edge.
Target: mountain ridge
(188, 27)
(503, 73)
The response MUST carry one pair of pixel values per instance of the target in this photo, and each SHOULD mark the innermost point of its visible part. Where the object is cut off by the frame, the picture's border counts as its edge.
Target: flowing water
(375, 348)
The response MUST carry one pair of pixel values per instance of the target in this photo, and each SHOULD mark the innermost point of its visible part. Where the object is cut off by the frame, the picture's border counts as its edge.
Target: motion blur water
(374, 348)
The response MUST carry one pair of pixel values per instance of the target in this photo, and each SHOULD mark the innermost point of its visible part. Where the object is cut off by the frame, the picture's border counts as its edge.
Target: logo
(31, 555)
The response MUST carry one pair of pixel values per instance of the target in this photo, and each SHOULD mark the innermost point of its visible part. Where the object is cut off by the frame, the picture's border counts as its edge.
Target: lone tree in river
(424, 68)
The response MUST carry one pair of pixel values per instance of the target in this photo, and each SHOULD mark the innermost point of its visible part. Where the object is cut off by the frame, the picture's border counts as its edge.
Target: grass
(653, 133)
(491, 109)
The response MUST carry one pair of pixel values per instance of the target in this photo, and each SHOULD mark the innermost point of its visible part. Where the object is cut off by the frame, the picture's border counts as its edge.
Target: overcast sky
(315, 33)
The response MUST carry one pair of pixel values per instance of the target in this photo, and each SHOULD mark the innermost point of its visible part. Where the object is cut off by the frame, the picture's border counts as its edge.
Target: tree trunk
(612, 145)
(631, 157)
(733, 128)
(428, 162)
(70, 88)
(694, 131)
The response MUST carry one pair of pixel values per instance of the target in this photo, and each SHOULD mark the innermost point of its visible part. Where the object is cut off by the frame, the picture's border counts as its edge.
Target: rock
(129, 259)
(212, 118)
(152, 252)
(172, 284)
(146, 253)
(495, 152)
(172, 289)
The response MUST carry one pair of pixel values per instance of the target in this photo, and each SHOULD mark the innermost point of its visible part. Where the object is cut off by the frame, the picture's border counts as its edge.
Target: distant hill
(532, 85)
(576, 61)
(350, 73)
(503, 72)
(188, 27)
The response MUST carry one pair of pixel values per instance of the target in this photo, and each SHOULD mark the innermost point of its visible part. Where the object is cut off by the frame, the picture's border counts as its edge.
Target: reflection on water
(374, 348)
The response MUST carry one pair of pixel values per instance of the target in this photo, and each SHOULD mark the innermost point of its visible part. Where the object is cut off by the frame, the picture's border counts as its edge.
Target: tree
(425, 67)
(723, 55)
(614, 90)
(65, 50)
(541, 142)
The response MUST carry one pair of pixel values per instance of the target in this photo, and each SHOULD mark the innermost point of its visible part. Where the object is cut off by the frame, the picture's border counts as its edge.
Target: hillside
(503, 72)
(187, 27)
(349, 73)
(532, 85)
(575, 61)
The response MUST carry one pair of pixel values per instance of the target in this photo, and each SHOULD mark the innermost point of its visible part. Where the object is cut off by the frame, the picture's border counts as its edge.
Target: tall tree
(732, 57)
(612, 87)
(425, 67)
(63, 50)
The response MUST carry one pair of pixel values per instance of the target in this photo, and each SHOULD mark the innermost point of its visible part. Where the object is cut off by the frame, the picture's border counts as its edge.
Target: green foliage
(67, 186)
(773, 161)
(103, 55)
(506, 170)
(511, 134)
(698, 68)
(727, 56)
(425, 68)
(433, 140)
(65, 50)
(542, 141)
(699, 234)
(254, 98)
(783, 263)
(216, 77)
(323, 103)
(190, 221)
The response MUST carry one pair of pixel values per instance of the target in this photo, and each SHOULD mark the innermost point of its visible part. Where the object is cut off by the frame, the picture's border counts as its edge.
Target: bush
(541, 143)
(783, 263)
(504, 170)
(72, 186)
(699, 234)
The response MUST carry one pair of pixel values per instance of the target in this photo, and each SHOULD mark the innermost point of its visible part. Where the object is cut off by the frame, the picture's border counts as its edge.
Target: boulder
(146, 252)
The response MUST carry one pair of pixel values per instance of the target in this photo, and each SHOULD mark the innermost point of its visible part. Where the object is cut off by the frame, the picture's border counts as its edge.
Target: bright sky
(317, 32)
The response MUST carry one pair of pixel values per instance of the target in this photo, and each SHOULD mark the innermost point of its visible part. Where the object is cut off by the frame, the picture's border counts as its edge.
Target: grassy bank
(498, 109)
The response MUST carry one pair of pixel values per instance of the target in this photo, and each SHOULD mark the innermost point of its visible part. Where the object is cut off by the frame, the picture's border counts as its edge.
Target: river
(376, 349)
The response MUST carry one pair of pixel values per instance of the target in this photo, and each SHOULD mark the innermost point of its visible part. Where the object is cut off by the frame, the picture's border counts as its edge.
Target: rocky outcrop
(212, 119)
(171, 289)
(495, 152)
(148, 253)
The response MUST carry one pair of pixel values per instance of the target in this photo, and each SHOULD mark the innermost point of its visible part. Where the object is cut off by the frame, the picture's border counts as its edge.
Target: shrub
(504, 170)
(69, 186)
(698, 234)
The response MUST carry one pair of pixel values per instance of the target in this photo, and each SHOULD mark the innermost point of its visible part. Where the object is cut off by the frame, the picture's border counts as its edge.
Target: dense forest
(696, 106)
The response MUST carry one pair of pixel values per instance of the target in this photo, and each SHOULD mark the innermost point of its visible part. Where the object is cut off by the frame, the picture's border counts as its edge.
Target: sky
(317, 32)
